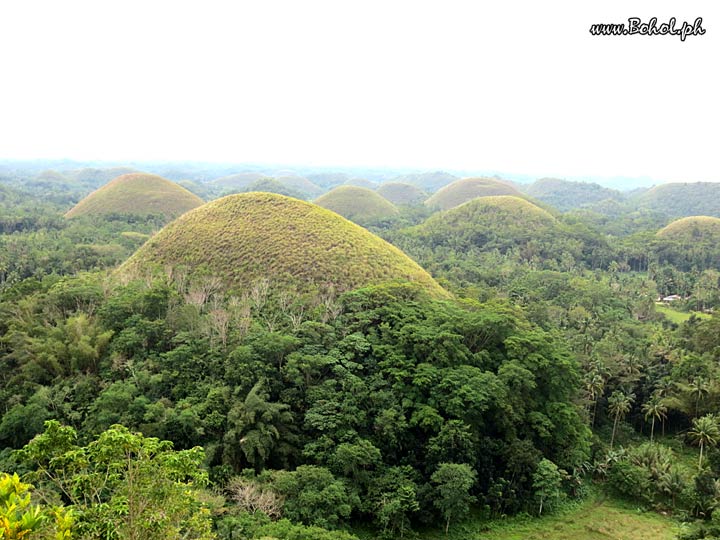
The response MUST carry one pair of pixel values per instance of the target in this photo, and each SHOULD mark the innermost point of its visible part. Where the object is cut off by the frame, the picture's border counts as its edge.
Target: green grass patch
(678, 317)
(596, 518)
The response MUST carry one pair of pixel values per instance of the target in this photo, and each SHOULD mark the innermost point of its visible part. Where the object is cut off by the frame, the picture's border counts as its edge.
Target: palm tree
(705, 431)
(619, 405)
(256, 425)
(654, 409)
(698, 387)
(595, 385)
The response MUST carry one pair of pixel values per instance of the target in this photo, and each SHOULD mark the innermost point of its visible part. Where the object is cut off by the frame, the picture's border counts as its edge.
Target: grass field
(678, 317)
(594, 519)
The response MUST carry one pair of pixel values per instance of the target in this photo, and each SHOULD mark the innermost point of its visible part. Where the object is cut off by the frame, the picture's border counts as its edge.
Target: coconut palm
(705, 432)
(619, 404)
(654, 409)
(595, 385)
(698, 388)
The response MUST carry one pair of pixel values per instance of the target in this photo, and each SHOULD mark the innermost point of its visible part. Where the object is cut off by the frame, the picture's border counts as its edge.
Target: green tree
(255, 427)
(654, 409)
(314, 496)
(704, 432)
(124, 486)
(547, 480)
(453, 482)
(20, 518)
(619, 404)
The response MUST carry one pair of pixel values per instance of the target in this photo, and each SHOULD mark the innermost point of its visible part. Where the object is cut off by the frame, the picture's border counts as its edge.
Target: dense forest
(261, 367)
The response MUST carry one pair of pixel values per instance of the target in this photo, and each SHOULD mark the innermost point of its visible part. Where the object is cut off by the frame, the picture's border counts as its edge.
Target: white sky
(513, 86)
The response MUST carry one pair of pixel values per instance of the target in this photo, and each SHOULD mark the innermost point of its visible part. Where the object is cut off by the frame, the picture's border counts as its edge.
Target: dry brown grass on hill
(241, 238)
(464, 190)
(140, 194)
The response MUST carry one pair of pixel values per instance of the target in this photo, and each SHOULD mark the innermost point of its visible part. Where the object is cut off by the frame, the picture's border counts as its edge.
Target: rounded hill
(567, 195)
(357, 204)
(139, 194)
(683, 199)
(466, 189)
(691, 229)
(253, 181)
(402, 194)
(241, 238)
(501, 222)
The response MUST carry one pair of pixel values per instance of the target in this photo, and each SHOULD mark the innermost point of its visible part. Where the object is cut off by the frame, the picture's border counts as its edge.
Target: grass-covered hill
(361, 205)
(241, 238)
(402, 194)
(683, 199)
(361, 182)
(93, 176)
(566, 195)
(466, 189)
(488, 216)
(297, 186)
(301, 185)
(238, 181)
(691, 229)
(140, 194)
(502, 222)
(429, 182)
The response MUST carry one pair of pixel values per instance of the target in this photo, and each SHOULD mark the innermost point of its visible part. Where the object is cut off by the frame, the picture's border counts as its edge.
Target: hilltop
(402, 194)
(357, 204)
(241, 238)
(361, 182)
(96, 177)
(683, 199)
(428, 182)
(253, 181)
(140, 194)
(461, 237)
(692, 229)
(239, 181)
(466, 189)
(566, 195)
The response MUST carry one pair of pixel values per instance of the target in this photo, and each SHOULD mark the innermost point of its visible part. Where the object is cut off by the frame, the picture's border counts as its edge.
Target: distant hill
(466, 189)
(51, 175)
(689, 243)
(361, 205)
(329, 179)
(429, 182)
(140, 194)
(298, 186)
(295, 244)
(501, 222)
(566, 195)
(361, 182)
(240, 181)
(96, 177)
(683, 199)
(271, 185)
(692, 229)
(402, 194)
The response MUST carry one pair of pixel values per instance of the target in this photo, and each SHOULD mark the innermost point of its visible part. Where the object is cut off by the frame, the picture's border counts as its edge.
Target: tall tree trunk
(612, 439)
(652, 429)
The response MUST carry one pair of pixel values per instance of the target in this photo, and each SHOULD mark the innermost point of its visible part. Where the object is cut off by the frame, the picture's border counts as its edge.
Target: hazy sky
(511, 86)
